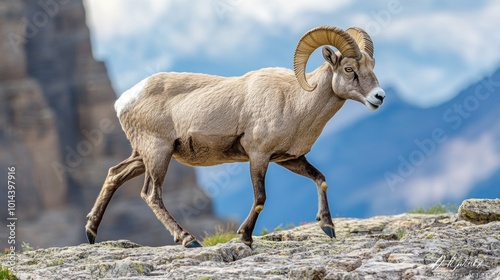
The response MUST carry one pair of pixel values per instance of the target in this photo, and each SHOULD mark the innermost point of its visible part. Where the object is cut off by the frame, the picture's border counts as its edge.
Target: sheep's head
(352, 65)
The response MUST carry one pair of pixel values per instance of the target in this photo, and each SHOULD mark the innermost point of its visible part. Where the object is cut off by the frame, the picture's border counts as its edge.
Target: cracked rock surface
(406, 246)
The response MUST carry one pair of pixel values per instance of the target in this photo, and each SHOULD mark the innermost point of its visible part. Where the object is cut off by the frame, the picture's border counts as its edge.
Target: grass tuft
(220, 235)
(279, 228)
(26, 247)
(436, 209)
(6, 274)
(400, 233)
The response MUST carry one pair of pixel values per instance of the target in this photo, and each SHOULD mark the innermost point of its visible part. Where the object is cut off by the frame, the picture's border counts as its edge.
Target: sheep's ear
(330, 56)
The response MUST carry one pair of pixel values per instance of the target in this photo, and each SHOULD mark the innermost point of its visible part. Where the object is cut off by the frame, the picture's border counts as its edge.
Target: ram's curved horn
(314, 38)
(363, 40)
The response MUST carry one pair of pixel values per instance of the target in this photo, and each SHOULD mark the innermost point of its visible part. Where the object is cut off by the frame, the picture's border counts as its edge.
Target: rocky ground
(406, 246)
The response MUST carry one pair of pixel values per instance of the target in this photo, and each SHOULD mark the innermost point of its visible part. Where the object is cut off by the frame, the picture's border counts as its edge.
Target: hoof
(193, 244)
(90, 236)
(329, 230)
(245, 238)
(247, 242)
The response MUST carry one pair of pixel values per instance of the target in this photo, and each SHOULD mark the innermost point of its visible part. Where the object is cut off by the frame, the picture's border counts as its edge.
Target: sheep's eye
(348, 69)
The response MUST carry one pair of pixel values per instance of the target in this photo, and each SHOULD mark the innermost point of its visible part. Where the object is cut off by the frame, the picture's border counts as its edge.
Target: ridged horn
(363, 40)
(320, 36)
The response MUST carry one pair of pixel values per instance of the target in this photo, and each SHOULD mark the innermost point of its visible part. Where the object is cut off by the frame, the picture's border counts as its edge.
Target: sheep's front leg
(302, 167)
(258, 168)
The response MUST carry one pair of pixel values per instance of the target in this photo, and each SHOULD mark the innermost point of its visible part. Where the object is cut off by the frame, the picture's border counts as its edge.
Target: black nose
(379, 97)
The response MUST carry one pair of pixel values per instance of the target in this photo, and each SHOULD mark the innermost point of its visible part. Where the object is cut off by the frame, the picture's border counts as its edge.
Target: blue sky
(428, 50)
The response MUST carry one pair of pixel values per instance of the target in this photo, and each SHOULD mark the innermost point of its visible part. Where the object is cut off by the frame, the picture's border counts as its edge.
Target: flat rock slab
(480, 211)
(407, 246)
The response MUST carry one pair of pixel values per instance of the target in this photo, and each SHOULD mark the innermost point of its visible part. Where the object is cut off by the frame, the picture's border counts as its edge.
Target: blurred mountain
(404, 157)
(395, 159)
(61, 133)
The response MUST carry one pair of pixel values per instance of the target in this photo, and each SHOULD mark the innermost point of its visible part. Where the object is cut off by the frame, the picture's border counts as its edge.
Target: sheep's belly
(211, 151)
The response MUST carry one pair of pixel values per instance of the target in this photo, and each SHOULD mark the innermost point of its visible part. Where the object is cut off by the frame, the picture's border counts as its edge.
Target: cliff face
(28, 137)
(61, 133)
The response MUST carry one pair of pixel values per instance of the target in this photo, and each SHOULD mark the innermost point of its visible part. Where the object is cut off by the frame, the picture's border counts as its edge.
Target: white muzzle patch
(375, 98)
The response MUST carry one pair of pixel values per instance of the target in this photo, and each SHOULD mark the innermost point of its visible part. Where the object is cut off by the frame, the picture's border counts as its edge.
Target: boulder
(480, 211)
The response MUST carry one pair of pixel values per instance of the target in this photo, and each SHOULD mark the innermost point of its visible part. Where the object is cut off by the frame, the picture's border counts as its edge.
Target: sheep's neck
(323, 101)
(320, 105)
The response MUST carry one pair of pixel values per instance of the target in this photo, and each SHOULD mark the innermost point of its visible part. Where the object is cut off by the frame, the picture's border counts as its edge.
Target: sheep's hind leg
(156, 168)
(117, 175)
(302, 167)
(258, 168)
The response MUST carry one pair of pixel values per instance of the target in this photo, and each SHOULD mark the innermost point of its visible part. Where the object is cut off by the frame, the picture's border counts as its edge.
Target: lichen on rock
(480, 211)
(432, 247)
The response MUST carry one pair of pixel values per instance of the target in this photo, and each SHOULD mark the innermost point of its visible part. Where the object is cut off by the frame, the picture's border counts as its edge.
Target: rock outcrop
(60, 131)
(407, 246)
(480, 211)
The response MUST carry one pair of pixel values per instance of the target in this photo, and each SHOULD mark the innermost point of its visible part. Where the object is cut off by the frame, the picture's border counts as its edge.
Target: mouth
(371, 106)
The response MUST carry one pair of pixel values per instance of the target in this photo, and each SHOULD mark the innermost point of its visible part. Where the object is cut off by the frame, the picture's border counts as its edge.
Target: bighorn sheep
(263, 116)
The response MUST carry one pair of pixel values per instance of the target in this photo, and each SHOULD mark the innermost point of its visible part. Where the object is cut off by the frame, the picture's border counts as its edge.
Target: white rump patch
(129, 97)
